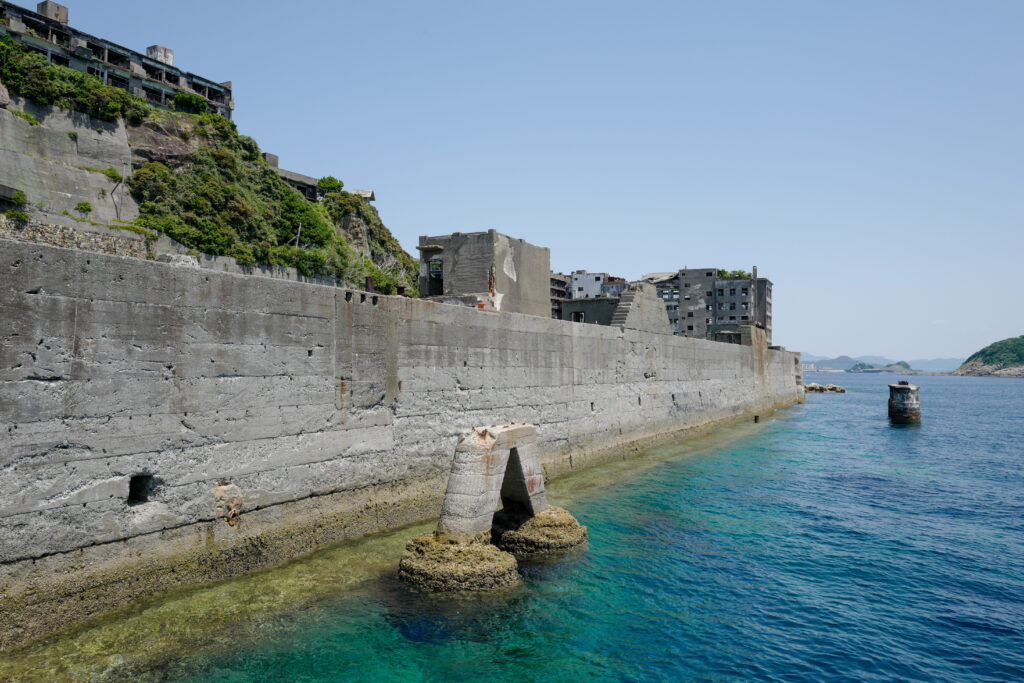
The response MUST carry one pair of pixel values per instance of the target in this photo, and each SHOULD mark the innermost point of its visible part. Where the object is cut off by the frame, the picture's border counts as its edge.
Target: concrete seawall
(134, 393)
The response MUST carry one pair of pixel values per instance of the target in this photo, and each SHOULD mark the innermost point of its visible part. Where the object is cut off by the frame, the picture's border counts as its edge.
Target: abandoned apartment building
(151, 76)
(707, 304)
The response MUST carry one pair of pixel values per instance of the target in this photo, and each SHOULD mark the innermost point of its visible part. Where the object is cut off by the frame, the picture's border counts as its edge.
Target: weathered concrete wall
(47, 163)
(521, 270)
(334, 412)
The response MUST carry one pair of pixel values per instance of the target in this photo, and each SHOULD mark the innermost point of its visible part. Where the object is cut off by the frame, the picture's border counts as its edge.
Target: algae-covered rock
(441, 565)
(551, 530)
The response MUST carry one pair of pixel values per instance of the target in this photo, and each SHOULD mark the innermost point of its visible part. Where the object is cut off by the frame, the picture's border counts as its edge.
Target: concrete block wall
(114, 367)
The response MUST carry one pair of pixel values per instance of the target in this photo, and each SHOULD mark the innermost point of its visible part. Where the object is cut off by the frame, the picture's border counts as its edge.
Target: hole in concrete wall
(591, 406)
(362, 298)
(139, 488)
(309, 353)
(348, 296)
(638, 401)
(374, 301)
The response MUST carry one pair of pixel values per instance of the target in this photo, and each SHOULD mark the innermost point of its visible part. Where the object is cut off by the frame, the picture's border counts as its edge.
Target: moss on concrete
(550, 531)
(440, 565)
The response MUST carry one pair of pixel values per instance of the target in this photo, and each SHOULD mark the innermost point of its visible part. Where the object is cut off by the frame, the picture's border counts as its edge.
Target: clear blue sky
(868, 157)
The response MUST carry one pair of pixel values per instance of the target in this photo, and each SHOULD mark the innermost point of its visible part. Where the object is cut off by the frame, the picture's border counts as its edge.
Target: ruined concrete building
(499, 271)
(151, 76)
(702, 303)
(559, 293)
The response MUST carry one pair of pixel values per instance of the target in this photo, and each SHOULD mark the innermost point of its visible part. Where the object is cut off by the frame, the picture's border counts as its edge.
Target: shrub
(190, 103)
(83, 208)
(33, 121)
(73, 134)
(19, 216)
(330, 184)
(19, 198)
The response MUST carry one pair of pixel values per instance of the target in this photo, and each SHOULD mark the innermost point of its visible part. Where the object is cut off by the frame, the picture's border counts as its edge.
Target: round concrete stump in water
(549, 531)
(442, 565)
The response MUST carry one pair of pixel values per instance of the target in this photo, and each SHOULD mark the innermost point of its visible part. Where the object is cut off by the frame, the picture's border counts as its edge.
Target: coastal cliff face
(135, 393)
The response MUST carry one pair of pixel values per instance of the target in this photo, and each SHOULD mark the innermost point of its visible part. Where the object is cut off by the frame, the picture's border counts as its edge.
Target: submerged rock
(549, 531)
(438, 564)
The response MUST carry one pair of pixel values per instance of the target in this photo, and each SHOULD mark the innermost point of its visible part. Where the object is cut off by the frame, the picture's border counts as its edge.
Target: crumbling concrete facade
(151, 76)
(134, 394)
(701, 303)
(508, 274)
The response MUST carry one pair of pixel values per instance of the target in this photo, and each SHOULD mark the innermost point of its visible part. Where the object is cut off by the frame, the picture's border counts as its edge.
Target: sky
(867, 156)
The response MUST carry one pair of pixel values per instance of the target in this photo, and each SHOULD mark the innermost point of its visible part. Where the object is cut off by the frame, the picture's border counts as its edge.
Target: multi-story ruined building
(559, 293)
(151, 76)
(700, 302)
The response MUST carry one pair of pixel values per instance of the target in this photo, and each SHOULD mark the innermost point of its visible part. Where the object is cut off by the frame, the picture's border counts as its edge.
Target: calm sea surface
(822, 544)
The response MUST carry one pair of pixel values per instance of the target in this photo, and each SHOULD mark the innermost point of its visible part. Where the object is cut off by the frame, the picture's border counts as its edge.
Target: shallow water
(822, 543)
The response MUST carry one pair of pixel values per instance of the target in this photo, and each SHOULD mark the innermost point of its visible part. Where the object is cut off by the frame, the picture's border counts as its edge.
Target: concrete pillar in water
(904, 405)
(473, 548)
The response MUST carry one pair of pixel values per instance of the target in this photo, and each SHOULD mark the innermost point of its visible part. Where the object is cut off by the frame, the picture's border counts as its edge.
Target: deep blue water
(824, 544)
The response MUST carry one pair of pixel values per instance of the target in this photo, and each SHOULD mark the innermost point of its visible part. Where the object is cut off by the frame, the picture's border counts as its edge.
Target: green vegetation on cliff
(29, 74)
(1007, 353)
(223, 198)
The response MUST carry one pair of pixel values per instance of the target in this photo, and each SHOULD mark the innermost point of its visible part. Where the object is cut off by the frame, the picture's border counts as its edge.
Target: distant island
(879, 364)
(898, 366)
(1002, 359)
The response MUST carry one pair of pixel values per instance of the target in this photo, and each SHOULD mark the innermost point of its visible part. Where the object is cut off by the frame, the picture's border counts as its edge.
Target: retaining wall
(335, 412)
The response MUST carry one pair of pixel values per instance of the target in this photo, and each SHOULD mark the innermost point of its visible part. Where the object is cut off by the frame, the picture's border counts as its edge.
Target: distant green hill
(1004, 358)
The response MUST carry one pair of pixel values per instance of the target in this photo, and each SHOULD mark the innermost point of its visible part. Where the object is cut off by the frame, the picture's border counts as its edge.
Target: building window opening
(689, 328)
(744, 291)
(98, 51)
(139, 488)
(578, 316)
(689, 314)
(732, 291)
(152, 95)
(59, 60)
(117, 81)
(119, 60)
(721, 292)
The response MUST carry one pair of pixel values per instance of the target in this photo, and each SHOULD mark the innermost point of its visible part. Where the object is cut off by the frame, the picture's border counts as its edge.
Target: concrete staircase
(622, 310)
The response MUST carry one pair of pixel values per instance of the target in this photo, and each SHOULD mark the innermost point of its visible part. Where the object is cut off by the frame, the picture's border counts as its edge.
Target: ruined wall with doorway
(469, 263)
(162, 425)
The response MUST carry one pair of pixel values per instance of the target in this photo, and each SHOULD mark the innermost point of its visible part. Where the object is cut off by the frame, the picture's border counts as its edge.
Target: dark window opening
(578, 316)
(119, 60)
(732, 292)
(98, 51)
(153, 95)
(689, 328)
(139, 488)
(117, 81)
(721, 292)
(689, 314)
(61, 39)
(59, 60)
(153, 72)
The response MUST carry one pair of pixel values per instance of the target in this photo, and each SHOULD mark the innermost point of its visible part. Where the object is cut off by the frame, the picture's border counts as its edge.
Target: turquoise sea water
(824, 544)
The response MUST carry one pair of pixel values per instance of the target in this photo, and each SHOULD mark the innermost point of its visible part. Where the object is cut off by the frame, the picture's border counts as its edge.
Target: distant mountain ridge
(847, 362)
